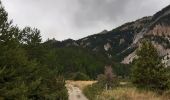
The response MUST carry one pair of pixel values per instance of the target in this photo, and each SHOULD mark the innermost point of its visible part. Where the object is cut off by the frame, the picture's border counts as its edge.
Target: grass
(130, 93)
(80, 84)
(126, 92)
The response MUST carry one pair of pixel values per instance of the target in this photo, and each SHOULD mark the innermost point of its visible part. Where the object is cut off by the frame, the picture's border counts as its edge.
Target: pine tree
(22, 77)
(32, 36)
(148, 71)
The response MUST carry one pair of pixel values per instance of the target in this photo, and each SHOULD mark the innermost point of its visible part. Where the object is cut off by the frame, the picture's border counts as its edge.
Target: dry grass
(80, 84)
(131, 93)
(122, 93)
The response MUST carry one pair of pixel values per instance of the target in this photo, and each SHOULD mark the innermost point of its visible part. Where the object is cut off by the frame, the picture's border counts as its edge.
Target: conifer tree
(148, 71)
(22, 77)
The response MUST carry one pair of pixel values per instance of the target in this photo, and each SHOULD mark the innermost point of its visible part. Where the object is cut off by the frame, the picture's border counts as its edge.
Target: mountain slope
(113, 43)
(120, 43)
(157, 31)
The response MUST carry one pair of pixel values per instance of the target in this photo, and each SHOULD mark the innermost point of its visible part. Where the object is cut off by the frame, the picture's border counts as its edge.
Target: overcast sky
(62, 19)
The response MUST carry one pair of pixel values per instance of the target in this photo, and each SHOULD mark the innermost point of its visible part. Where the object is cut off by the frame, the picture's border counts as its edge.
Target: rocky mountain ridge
(121, 43)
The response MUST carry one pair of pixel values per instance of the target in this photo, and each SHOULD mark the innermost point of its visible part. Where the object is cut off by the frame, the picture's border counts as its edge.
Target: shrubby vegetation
(121, 70)
(106, 81)
(80, 76)
(123, 93)
(92, 91)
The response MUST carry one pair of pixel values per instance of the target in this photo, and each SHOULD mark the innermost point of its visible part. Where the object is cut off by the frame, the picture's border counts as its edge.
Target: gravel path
(75, 93)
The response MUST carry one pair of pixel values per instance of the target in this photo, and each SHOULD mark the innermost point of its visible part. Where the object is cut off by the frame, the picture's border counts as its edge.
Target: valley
(129, 62)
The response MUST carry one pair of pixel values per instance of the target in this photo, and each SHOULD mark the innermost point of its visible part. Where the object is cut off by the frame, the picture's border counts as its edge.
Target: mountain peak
(103, 32)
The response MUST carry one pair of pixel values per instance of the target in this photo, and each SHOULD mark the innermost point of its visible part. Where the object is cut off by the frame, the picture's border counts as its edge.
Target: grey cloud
(92, 11)
(78, 18)
(114, 11)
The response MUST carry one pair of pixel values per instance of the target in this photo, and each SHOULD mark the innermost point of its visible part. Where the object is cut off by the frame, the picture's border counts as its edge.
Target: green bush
(102, 81)
(53, 89)
(92, 91)
(80, 76)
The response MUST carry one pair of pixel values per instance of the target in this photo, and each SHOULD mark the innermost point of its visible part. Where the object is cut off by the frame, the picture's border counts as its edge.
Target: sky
(75, 19)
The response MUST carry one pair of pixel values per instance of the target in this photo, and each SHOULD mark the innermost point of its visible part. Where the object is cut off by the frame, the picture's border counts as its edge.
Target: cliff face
(160, 30)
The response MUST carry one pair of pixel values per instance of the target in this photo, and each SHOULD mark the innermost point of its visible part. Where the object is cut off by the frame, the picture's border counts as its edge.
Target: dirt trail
(75, 89)
(75, 93)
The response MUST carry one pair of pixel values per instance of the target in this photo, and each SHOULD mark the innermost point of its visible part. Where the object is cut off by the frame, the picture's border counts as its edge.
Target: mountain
(157, 31)
(121, 43)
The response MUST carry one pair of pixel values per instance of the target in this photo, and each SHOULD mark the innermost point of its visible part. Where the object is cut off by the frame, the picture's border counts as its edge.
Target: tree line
(23, 76)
